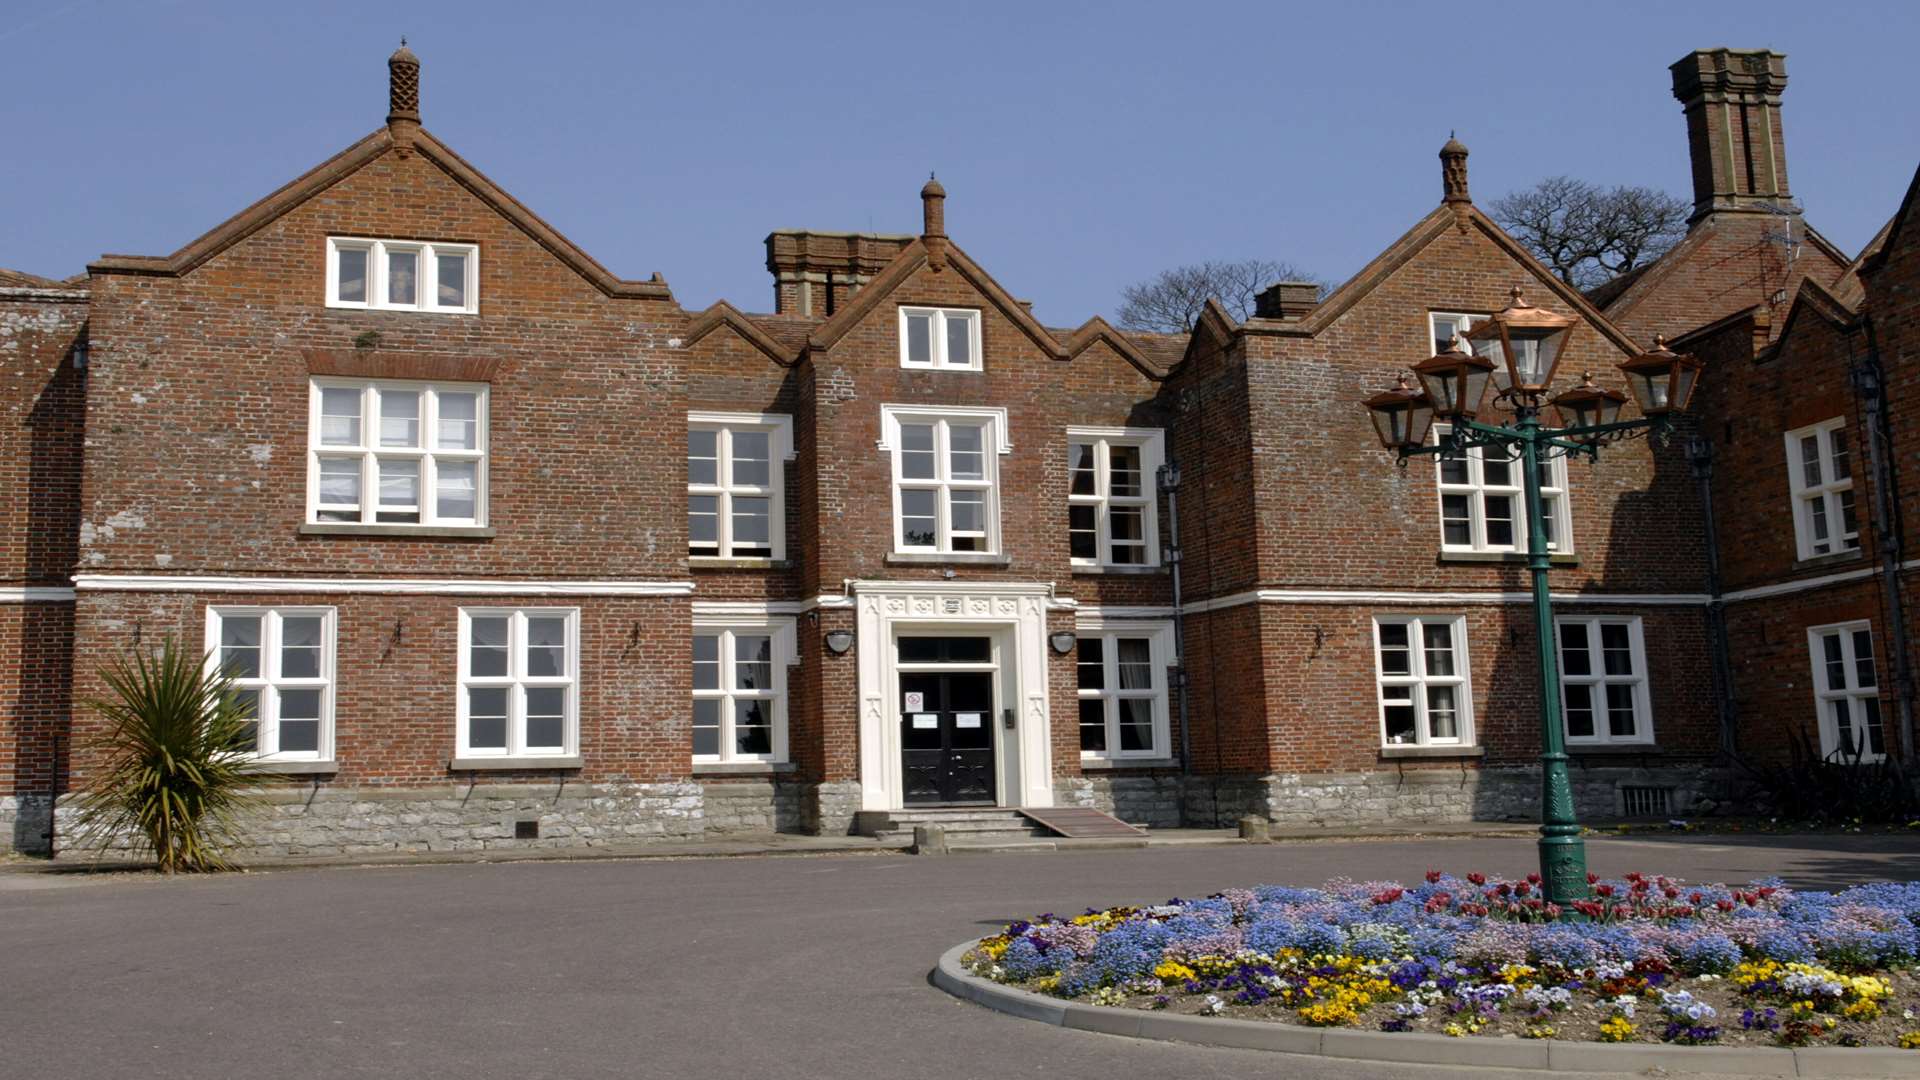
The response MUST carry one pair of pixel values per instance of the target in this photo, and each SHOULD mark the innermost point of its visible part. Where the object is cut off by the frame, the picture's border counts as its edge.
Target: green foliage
(176, 760)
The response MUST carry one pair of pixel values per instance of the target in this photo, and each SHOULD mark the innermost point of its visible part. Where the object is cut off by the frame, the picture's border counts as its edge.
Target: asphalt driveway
(744, 967)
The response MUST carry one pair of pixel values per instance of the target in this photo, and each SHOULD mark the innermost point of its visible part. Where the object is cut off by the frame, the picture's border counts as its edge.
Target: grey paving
(798, 966)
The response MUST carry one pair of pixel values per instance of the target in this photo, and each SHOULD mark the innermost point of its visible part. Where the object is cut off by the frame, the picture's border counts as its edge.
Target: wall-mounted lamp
(1169, 475)
(839, 641)
(1063, 642)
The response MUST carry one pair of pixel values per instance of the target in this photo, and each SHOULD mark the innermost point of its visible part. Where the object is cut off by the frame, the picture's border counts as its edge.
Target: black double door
(946, 736)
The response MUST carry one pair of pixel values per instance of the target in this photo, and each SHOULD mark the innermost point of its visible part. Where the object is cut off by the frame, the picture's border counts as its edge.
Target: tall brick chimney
(1732, 101)
(403, 95)
(933, 231)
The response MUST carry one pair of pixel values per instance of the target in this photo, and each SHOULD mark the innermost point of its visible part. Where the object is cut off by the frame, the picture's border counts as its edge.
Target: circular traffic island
(1646, 972)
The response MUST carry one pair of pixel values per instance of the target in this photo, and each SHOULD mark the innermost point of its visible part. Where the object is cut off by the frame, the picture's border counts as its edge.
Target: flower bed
(1646, 959)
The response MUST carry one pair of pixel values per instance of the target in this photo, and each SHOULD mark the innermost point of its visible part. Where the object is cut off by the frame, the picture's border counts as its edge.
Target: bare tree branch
(1171, 301)
(1589, 235)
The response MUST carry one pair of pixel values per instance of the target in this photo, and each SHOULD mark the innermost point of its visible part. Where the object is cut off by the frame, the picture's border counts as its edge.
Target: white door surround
(1015, 616)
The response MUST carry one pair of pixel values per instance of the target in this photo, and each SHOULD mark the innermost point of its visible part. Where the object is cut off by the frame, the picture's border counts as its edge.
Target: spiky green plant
(176, 760)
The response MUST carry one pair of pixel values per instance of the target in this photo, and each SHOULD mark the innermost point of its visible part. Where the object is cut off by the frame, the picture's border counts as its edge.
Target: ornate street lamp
(1531, 343)
(1401, 416)
(1530, 340)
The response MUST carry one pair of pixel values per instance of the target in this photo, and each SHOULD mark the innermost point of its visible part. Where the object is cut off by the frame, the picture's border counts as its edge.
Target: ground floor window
(1425, 694)
(740, 691)
(1123, 691)
(1847, 692)
(281, 664)
(1603, 681)
(519, 682)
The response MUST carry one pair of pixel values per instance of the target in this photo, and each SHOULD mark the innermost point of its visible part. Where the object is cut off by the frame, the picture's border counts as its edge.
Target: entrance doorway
(947, 699)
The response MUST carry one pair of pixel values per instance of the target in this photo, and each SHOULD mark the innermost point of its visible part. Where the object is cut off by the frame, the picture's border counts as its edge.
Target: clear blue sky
(1083, 146)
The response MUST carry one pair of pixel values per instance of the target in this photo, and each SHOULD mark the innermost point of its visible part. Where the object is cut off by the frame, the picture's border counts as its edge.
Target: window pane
(916, 518)
(1133, 659)
(1456, 520)
(546, 717)
(1499, 520)
(703, 523)
(1438, 640)
(752, 727)
(703, 456)
(752, 662)
(751, 527)
(751, 467)
(1454, 469)
(487, 717)
(299, 721)
(959, 339)
(1849, 519)
(1616, 644)
(300, 647)
(1574, 659)
(1443, 714)
(1842, 466)
(487, 646)
(1843, 727)
(546, 646)
(916, 451)
(399, 418)
(339, 416)
(459, 420)
(1093, 674)
(1093, 724)
(240, 646)
(1836, 663)
(1123, 471)
(403, 269)
(352, 282)
(1080, 469)
(399, 490)
(1876, 736)
(1127, 539)
(453, 279)
(919, 339)
(339, 481)
(1579, 712)
(969, 511)
(706, 662)
(1082, 543)
(1863, 675)
(968, 460)
(1809, 461)
(1136, 724)
(1396, 657)
(1620, 715)
(1496, 472)
(1398, 708)
(247, 704)
(457, 490)
(706, 727)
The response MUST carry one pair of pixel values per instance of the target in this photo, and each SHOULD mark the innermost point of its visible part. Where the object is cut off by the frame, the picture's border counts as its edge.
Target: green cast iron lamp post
(1518, 351)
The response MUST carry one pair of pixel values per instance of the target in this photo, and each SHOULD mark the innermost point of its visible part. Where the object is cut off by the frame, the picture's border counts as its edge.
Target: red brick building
(504, 550)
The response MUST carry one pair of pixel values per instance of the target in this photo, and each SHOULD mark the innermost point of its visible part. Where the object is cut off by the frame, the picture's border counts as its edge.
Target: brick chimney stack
(933, 232)
(1732, 102)
(1287, 300)
(403, 95)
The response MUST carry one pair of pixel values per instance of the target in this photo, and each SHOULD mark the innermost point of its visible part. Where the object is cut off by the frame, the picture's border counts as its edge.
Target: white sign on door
(916, 701)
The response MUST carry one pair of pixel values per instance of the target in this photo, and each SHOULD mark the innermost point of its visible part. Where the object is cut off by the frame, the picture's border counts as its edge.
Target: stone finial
(1453, 171)
(403, 94)
(933, 229)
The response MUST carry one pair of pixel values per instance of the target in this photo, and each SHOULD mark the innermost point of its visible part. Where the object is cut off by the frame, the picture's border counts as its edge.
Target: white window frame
(1417, 679)
(517, 682)
(1555, 500)
(785, 655)
(270, 682)
(779, 431)
(1159, 634)
(1853, 693)
(937, 358)
(1828, 495)
(1151, 442)
(994, 445)
(427, 286)
(427, 453)
(1598, 680)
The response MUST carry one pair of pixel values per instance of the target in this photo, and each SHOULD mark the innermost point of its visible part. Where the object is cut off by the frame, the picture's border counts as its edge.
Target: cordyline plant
(177, 760)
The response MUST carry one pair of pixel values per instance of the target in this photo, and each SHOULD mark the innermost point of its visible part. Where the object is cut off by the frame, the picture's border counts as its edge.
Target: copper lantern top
(1531, 341)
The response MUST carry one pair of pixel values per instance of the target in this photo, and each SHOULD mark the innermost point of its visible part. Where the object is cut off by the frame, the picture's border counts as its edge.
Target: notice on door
(926, 720)
(916, 701)
(966, 719)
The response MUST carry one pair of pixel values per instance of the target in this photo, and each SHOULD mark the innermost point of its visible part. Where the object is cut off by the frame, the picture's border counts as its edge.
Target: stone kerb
(1414, 1048)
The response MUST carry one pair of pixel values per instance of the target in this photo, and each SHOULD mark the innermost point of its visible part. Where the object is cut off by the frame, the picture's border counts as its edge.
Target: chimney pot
(933, 212)
(403, 94)
(1453, 171)
(1287, 300)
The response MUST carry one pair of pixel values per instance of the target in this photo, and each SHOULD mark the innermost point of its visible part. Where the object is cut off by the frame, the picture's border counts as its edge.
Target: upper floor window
(740, 689)
(945, 462)
(403, 275)
(1111, 495)
(1821, 474)
(385, 452)
(1483, 501)
(1603, 681)
(519, 678)
(1847, 692)
(1421, 667)
(1123, 690)
(281, 663)
(735, 472)
(944, 338)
